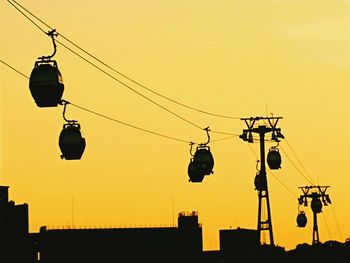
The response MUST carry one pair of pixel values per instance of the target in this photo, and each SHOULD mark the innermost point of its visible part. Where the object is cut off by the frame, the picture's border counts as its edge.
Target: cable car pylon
(274, 160)
(318, 195)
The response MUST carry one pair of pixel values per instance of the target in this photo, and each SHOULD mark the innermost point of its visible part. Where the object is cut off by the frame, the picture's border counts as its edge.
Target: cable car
(316, 205)
(71, 142)
(194, 174)
(301, 219)
(46, 84)
(260, 182)
(203, 160)
(274, 159)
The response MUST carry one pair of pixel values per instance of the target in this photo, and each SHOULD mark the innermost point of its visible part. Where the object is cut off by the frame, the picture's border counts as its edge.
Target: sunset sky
(232, 57)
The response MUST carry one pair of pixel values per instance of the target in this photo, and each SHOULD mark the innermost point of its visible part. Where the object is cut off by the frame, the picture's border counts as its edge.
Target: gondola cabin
(46, 84)
(274, 159)
(194, 175)
(260, 182)
(301, 219)
(71, 142)
(316, 205)
(203, 160)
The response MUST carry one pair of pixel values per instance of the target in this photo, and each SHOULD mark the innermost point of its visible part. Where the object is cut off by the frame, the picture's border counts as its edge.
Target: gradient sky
(240, 58)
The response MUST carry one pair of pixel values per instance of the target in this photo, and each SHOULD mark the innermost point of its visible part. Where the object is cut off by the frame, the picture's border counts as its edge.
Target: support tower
(318, 195)
(262, 126)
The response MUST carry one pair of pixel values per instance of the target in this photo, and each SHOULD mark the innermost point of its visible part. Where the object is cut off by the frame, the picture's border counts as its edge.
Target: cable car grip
(51, 34)
(205, 144)
(65, 103)
(191, 147)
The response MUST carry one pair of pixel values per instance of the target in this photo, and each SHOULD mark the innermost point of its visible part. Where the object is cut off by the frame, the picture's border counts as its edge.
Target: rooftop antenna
(173, 210)
(73, 212)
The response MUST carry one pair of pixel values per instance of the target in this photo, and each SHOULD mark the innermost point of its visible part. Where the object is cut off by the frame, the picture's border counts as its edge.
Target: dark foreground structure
(166, 244)
(15, 244)
(163, 244)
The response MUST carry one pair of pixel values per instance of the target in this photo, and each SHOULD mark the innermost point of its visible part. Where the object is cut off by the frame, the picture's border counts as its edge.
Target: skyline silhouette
(203, 64)
(181, 243)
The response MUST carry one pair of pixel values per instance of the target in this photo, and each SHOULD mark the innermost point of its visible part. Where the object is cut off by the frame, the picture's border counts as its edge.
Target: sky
(239, 58)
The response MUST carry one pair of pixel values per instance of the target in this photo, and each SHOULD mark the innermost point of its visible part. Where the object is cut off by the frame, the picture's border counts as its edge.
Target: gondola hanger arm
(51, 34)
(65, 103)
(191, 147)
(207, 129)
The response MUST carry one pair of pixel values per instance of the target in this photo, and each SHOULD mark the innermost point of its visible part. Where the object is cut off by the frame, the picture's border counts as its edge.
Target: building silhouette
(154, 244)
(15, 245)
(239, 244)
(160, 244)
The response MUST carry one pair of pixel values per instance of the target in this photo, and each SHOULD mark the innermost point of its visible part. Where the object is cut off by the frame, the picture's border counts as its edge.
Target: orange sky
(240, 58)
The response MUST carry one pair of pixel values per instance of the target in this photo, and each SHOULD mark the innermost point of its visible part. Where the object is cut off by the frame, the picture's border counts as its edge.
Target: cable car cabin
(203, 160)
(46, 84)
(194, 174)
(260, 182)
(301, 219)
(316, 205)
(71, 142)
(274, 159)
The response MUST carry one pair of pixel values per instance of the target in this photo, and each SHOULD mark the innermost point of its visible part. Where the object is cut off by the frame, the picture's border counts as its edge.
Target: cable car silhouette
(274, 158)
(202, 162)
(193, 173)
(46, 82)
(71, 142)
(301, 219)
(316, 204)
(260, 182)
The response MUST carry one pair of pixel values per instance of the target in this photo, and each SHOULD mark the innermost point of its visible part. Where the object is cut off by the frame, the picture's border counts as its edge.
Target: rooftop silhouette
(182, 243)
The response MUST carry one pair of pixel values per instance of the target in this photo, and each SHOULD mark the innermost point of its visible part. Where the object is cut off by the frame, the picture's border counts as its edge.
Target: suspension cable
(277, 179)
(20, 73)
(291, 161)
(299, 161)
(336, 223)
(113, 69)
(118, 121)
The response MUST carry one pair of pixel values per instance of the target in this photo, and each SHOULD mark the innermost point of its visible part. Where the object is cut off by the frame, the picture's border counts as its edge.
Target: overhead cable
(284, 185)
(301, 164)
(127, 124)
(277, 179)
(115, 120)
(296, 167)
(336, 222)
(327, 227)
(20, 73)
(102, 70)
(104, 116)
(116, 71)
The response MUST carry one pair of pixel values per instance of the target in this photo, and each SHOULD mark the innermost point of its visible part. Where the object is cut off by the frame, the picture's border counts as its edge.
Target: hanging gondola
(45, 82)
(202, 162)
(274, 159)
(193, 173)
(260, 182)
(301, 219)
(71, 141)
(316, 205)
